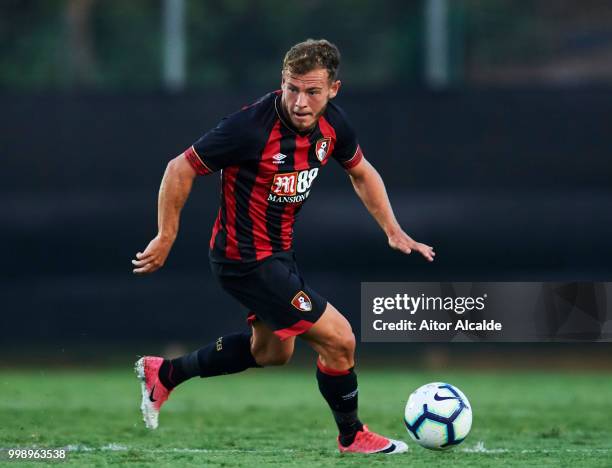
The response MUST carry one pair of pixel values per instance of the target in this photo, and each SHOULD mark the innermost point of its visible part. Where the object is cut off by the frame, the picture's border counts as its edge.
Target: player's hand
(404, 243)
(153, 257)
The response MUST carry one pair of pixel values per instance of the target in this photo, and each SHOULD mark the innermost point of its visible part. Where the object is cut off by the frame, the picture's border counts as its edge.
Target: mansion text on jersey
(294, 199)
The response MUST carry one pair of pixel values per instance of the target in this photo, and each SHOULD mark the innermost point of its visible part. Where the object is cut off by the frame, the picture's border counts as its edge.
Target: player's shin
(339, 388)
(227, 355)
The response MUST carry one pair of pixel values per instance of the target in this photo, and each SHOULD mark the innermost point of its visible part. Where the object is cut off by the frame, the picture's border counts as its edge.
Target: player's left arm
(370, 188)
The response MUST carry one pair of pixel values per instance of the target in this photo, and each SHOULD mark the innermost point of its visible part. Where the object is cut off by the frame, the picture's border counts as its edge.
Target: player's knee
(275, 357)
(279, 359)
(346, 345)
(341, 349)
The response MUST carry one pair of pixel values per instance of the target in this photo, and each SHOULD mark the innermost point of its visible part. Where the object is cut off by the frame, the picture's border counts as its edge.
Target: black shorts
(274, 292)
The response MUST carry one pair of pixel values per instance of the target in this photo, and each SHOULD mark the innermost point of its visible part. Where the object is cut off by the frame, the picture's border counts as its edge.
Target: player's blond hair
(312, 54)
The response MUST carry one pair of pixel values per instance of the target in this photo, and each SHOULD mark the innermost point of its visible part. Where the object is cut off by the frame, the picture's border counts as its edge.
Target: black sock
(339, 388)
(227, 355)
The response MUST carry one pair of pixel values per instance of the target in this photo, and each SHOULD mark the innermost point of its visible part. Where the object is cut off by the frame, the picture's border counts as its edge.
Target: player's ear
(334, 88)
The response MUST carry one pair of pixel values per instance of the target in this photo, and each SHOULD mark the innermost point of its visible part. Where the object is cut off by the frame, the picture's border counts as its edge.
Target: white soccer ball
(438, 416)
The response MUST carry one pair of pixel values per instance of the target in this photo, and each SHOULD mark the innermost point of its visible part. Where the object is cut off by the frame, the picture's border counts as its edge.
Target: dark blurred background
(489, 121)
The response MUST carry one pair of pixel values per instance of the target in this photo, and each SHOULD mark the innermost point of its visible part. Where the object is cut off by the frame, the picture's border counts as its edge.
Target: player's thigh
(332, 333)
(277, 295)
(268, 348)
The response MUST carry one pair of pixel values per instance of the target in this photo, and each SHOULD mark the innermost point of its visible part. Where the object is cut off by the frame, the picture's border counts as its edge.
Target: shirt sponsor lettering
(292, 187)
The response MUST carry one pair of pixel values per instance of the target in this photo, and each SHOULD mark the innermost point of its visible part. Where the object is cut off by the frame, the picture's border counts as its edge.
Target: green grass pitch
(276, 417)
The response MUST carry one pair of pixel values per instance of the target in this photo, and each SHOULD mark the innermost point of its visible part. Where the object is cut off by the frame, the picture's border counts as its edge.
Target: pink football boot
(154, 394)
(370, 442)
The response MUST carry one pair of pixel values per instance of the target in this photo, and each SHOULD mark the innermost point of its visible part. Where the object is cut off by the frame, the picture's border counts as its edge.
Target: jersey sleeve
(347, 150)
(228, 144)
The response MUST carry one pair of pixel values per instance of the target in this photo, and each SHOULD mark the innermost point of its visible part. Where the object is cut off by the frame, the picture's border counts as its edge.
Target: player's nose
(301, 100)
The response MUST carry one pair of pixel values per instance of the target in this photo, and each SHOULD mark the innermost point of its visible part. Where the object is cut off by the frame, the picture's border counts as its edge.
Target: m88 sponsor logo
(292, 187)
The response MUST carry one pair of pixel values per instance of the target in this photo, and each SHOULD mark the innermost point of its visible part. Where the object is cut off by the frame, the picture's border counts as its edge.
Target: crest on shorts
(302, 302)
(322, 148)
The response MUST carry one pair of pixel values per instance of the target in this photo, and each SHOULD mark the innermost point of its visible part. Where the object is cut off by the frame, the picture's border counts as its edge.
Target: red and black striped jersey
(267, 172)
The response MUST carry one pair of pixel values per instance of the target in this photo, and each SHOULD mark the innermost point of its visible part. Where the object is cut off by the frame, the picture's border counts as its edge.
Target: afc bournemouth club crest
(301, 301)
(322, 148)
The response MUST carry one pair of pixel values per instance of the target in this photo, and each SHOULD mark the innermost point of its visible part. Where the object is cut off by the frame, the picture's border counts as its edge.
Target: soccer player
(269, 155)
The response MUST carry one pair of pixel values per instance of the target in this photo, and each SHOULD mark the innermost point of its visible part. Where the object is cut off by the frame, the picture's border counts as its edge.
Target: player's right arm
(173, 193)
(234, 140)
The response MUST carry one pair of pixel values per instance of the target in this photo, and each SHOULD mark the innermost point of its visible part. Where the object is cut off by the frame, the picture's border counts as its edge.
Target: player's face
(306, 96)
